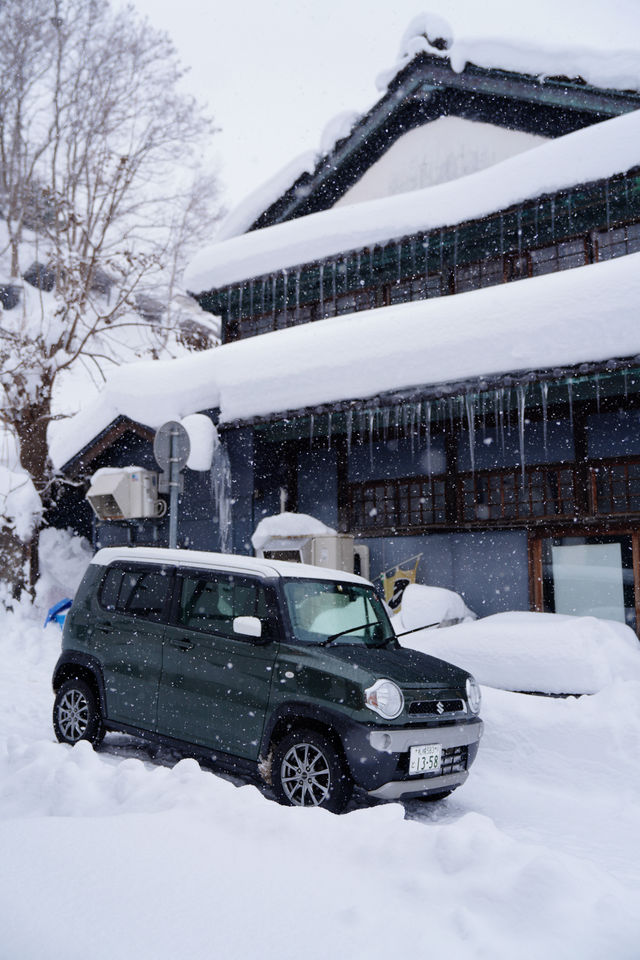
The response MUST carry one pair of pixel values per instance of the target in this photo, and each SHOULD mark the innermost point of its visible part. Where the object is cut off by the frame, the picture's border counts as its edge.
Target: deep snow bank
(541, 652)
(535, 856)
(150, 861)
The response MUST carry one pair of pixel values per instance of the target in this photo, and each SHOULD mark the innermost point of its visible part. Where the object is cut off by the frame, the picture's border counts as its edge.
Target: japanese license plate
(425, 758)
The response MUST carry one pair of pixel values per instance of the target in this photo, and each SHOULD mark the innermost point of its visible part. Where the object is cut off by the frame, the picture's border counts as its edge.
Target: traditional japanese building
(431, 340)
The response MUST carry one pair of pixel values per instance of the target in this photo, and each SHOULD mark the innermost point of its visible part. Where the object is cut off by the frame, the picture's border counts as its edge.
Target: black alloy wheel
(76, 715)
(308, 771)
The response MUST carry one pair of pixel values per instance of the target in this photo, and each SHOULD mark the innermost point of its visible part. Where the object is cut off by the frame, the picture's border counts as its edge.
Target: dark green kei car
(260, 666)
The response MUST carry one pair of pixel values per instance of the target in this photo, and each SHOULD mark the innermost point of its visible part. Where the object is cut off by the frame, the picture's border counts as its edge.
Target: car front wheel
(76, 714)
(309, 772)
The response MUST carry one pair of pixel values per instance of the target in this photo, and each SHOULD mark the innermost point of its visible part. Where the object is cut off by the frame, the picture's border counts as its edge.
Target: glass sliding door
(590, 576)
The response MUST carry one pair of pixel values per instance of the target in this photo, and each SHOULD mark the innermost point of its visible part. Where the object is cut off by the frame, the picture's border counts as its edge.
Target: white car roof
(224, 561)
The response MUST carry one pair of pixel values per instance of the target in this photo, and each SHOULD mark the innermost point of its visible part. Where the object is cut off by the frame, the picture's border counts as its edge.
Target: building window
(563, 255)
(546, 491)
(485, 273)
(516, 267)
(365, 299)
(303, 314)
(617, 242)
(615, 487)
(346, 303)
(420, 289)
(558, 256)
(386, 504)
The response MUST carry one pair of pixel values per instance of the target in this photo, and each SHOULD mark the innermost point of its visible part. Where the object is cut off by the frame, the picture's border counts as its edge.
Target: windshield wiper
(394, 636)
(334, 636)
(362, 626)
(416, 629)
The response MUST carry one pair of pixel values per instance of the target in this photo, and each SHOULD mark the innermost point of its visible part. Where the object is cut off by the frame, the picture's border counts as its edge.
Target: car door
(215, 684)
(133, 600)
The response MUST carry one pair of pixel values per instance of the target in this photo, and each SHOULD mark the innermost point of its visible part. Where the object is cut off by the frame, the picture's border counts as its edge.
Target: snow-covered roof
(243, 215)
(601, 67)
(593, 153)
(614, 70)
(588, 314)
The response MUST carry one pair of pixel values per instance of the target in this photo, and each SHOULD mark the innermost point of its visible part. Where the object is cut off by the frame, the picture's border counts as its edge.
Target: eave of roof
(600, 151)
(97, 445)
(427, 73)
(587, 315)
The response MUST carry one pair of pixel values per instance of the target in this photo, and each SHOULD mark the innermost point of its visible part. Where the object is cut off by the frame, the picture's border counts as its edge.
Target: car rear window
(136, 591)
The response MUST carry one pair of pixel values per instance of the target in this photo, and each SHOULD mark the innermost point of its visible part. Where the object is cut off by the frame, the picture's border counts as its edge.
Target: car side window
(110, 588)
(209, 602)
(135, 591)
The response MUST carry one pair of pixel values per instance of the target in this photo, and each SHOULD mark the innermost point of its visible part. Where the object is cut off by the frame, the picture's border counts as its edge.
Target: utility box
(335, 551)
(125, 493)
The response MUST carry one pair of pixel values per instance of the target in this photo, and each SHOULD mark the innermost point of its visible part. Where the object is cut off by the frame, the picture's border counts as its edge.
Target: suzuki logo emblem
(440, 707)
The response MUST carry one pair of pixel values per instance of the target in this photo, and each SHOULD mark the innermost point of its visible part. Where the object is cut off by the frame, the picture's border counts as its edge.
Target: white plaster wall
(445, 149)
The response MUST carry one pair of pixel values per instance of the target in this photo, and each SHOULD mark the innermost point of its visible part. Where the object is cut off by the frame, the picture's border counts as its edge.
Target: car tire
(308, 771)
(76, 714)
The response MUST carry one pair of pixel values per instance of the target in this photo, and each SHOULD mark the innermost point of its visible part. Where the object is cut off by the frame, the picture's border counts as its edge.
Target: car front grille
(454, 760)
(437, 708)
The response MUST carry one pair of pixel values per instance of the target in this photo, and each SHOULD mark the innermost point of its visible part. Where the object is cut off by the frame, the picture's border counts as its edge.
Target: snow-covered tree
(99, 190)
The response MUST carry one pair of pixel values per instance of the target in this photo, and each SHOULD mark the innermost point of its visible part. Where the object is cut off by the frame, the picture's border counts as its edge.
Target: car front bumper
(379, 758)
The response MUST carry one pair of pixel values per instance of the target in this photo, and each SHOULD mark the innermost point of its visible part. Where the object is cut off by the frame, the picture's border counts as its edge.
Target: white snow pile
(64, 557)
(615, 69)
(423, 605)
(595, 152)
(286, 524)
(536, 856)
(575, 316)
(537, 652)
(202, 440)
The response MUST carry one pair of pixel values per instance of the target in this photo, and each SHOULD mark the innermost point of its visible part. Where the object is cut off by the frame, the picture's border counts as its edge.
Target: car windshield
(321, 609)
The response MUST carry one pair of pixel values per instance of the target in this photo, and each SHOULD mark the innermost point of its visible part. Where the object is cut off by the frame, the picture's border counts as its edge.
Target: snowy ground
(536, 855)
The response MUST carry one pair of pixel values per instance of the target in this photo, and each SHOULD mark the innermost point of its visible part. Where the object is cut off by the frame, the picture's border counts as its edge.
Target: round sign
(171, 444)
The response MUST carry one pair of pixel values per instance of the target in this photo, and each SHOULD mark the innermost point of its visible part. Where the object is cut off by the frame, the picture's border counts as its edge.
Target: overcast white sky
(274, 73)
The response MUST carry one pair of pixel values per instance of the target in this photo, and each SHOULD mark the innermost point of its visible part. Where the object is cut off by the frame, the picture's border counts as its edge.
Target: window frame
(270, 624)
(138, 568)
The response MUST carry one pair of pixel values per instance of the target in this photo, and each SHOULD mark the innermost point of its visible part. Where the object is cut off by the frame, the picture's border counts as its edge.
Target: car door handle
(182, 644)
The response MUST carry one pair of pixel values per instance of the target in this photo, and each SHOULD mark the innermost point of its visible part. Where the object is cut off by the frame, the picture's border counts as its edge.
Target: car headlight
(474, 697)
(385, 698)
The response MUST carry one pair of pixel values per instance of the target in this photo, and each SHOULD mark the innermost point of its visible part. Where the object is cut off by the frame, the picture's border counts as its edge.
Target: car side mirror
(247, 626)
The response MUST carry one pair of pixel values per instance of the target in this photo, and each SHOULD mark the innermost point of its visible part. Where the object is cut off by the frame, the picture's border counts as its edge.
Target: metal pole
(173, 493)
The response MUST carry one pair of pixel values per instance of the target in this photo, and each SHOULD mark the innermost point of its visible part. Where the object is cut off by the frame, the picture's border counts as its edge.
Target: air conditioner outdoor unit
(335, 551)
(125, 493)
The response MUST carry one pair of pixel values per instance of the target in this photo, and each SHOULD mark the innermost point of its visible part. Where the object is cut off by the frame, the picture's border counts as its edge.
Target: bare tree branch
(99, 172)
